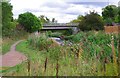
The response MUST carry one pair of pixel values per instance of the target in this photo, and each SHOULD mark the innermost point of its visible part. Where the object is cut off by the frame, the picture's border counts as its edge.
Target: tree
(79, 18)
(109, 13)
(30, 22)
(47, 20)
(92, 21)
(44, 19)
(7, 19)
(53, 20)
(118, 15)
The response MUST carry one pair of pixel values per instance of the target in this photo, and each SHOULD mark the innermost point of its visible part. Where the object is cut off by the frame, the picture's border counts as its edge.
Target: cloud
(98, 4)
(56, 4)
(62, 10)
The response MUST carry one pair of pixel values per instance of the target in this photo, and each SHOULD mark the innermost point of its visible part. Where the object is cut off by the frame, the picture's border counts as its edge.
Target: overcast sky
(62, 10)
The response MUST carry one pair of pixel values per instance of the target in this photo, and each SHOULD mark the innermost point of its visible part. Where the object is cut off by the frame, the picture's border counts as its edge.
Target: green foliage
(79, 18)
(91, 21)
(30, 22)
(68, 32)
(94, 43)
(67, 63)
(6, 13)
(8, 25)
(40, 42)
(44, 19)
(54, 53)
(110, 14)
(118, 15)
(53, 34)
(15, 36)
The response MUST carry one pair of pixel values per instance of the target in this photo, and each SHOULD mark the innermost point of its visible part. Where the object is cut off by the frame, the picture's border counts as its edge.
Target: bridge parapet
(60, 24)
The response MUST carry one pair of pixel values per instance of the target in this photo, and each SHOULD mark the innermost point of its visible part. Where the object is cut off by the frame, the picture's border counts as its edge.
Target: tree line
(32, 23)
(94, 21)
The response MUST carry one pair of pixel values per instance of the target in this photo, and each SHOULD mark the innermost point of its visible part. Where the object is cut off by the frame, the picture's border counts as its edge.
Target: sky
(62, 10)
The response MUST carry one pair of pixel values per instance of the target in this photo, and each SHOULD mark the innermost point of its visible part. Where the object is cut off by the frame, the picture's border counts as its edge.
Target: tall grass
(39, 42)
(89, 55)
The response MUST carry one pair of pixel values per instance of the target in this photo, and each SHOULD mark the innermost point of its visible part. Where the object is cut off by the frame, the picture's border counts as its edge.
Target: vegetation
(118, 17)
(85, 57)
(30, 22)
(8, 25)
(7, 42)
(9, 32)
(91, 21)
(40, 42)
(91, 53)
(43, 19)
(110, 14)
(79, 18)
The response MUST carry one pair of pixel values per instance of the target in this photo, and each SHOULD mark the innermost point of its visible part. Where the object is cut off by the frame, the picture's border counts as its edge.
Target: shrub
(41, 42)
(96, 44)
(30, 22)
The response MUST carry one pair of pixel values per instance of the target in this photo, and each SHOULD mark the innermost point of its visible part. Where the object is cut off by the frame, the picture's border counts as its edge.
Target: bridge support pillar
(75, 30)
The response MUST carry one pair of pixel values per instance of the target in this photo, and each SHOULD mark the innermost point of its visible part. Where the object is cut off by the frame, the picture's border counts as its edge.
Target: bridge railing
(60, 24)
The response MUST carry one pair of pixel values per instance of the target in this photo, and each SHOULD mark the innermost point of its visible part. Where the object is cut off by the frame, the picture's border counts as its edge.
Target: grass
(7, 42)
(67, 65)
(64, 59)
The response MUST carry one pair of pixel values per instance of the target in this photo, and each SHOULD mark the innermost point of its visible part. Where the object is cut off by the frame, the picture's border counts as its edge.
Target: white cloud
(59, 9)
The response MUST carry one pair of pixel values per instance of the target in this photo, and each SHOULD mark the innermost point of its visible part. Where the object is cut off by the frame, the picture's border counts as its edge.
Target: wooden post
(46, 60)
(104, 65)
(57, 68)
(28, 67)
(113, 51)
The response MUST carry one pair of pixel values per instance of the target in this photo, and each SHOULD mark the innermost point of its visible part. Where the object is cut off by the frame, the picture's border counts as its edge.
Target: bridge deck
(59, 26)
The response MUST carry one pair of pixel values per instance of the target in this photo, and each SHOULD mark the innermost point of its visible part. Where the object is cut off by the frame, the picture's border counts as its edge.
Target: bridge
(61, 26)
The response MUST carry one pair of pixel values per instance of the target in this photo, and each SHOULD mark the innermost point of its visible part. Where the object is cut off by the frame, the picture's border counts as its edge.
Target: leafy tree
(79, 18)
(7, 20)
(92, 21)
(30, 22)
(118, 14)
(53, 20)
(44, 19)
(47, 20)
(109, 12)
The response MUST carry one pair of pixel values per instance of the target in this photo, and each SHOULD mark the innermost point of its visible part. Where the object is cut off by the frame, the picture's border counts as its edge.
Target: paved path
(13, 57)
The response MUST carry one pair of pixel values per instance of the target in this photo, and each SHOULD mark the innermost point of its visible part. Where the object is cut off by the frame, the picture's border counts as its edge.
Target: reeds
(119, 58)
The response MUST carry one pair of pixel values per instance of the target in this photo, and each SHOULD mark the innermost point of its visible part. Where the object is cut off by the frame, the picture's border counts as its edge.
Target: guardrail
(60, 24)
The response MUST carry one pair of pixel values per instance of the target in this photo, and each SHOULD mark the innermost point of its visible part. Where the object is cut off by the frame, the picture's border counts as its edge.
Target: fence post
(46, 60)
(28, 67)
(57, 69)
(113, 51)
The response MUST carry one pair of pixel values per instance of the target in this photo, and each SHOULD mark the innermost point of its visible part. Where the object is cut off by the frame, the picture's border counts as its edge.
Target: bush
(96, 44)
(92, 21)
(30, 22)
(40, 42)
(55, 34)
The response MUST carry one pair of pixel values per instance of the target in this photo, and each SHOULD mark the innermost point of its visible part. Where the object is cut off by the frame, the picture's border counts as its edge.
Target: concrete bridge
(61, 26)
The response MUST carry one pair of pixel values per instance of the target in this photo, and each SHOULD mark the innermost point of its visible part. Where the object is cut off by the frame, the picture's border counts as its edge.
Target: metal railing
(60, 24)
